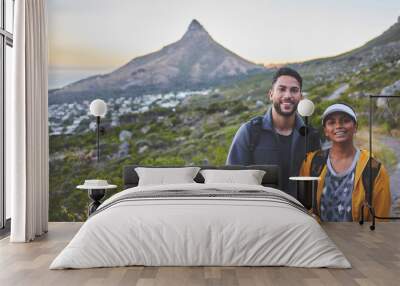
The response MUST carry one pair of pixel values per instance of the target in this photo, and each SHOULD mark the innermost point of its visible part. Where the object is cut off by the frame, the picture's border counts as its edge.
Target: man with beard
(278, 136)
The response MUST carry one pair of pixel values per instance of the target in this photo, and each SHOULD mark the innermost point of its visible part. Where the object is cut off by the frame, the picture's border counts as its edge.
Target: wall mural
(182, 105)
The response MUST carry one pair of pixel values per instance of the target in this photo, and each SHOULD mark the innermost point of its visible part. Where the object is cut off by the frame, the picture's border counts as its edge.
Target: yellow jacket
(381, 199)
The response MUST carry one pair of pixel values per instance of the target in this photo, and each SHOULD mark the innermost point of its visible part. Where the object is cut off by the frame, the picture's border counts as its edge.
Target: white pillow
(163, 176)
(248, 177)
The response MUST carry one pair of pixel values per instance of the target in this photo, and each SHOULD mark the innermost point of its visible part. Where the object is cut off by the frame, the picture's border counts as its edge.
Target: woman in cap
(344, 172)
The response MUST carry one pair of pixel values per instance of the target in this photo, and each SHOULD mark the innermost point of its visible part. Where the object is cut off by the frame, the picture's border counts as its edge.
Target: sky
(88, 37)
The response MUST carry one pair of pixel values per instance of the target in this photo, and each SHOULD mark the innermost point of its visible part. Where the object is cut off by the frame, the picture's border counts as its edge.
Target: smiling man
(343, 171)
(275, 138)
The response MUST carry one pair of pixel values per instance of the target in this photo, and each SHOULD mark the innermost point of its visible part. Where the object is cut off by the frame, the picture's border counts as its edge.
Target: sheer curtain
(27, 124)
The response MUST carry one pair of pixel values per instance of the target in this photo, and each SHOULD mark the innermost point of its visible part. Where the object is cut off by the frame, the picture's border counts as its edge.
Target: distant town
(73, 118)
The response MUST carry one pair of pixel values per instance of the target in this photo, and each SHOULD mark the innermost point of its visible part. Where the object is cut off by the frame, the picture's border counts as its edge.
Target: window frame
(6, 39)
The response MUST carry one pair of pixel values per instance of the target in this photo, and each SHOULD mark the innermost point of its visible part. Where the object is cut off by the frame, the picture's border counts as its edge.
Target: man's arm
(239, 153)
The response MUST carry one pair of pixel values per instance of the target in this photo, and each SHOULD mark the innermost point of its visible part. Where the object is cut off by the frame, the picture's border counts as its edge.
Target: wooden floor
(374, 255)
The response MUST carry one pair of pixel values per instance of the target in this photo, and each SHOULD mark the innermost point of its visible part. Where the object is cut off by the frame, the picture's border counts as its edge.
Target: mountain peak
(195, 25)
(195, 61)
(196, 30)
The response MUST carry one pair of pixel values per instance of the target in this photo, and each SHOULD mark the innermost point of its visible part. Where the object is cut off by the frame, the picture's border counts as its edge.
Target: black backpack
(255, 133)
(319, 160)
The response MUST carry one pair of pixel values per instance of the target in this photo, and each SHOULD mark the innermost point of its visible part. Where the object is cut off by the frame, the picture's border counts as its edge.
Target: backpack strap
(255, 132)
(318, 162)
(314, 142)
(376, 166)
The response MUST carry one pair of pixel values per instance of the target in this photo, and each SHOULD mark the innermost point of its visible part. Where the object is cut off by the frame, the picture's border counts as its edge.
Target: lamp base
(95, 195)
(371, 212)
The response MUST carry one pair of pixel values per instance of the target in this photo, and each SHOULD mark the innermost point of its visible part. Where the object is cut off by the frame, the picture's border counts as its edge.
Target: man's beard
(278, 109)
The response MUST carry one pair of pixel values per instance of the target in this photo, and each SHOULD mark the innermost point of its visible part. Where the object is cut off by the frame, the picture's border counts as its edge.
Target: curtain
(27, 124)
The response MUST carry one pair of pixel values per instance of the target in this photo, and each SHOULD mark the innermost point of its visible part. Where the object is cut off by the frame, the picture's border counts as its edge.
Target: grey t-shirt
(337, 192)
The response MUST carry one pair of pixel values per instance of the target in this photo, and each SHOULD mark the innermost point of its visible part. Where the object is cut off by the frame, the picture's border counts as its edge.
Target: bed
(201, 224)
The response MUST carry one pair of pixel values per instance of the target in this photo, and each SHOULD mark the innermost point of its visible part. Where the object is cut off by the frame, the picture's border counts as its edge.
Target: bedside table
(96, 193)
(306, 191)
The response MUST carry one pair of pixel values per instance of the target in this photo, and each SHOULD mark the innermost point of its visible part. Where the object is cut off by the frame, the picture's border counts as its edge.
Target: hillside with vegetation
(197, 129)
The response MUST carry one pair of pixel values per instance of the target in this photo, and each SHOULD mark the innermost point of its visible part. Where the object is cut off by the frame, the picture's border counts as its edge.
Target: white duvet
(200, 231)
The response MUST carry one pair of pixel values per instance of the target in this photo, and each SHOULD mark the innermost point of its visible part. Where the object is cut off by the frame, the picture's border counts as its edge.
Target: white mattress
(200, 231)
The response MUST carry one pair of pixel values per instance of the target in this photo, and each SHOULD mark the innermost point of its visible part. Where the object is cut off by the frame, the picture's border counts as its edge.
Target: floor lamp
(98, 108)
(368, 204)
(305, 109)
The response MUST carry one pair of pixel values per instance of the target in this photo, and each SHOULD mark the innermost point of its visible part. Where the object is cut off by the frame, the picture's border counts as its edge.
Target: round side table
(95, 193)
(305, 186)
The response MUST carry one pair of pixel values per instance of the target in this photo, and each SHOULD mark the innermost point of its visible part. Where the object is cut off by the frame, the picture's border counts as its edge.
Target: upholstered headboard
(270, 179)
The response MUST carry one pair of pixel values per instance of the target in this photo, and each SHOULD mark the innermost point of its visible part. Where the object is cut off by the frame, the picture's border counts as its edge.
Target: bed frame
(270, 179)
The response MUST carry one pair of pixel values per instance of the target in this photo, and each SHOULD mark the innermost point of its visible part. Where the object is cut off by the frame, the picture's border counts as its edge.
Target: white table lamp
(305, 108)
(98, 108)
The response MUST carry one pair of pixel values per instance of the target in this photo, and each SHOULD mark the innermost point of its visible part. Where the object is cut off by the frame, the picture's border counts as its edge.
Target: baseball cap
(339, 107)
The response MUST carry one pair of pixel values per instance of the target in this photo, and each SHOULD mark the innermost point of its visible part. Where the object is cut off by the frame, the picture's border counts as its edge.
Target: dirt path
(338, 92)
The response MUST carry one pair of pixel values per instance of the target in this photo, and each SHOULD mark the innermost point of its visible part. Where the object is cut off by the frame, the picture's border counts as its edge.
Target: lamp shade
(305, 107)
(98, 108)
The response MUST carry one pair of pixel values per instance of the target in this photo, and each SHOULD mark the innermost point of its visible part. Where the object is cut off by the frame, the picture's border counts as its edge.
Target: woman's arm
(381, 196)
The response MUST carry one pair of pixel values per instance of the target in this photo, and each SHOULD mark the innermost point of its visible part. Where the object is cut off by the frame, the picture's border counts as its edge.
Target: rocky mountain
(389, 36)
(195, 61)
(383, 48)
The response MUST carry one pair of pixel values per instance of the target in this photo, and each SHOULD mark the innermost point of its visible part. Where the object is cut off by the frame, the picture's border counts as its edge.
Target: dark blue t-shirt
(285, 143)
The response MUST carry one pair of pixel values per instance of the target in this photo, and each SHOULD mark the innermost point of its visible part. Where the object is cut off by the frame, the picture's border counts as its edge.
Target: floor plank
(374, 255)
